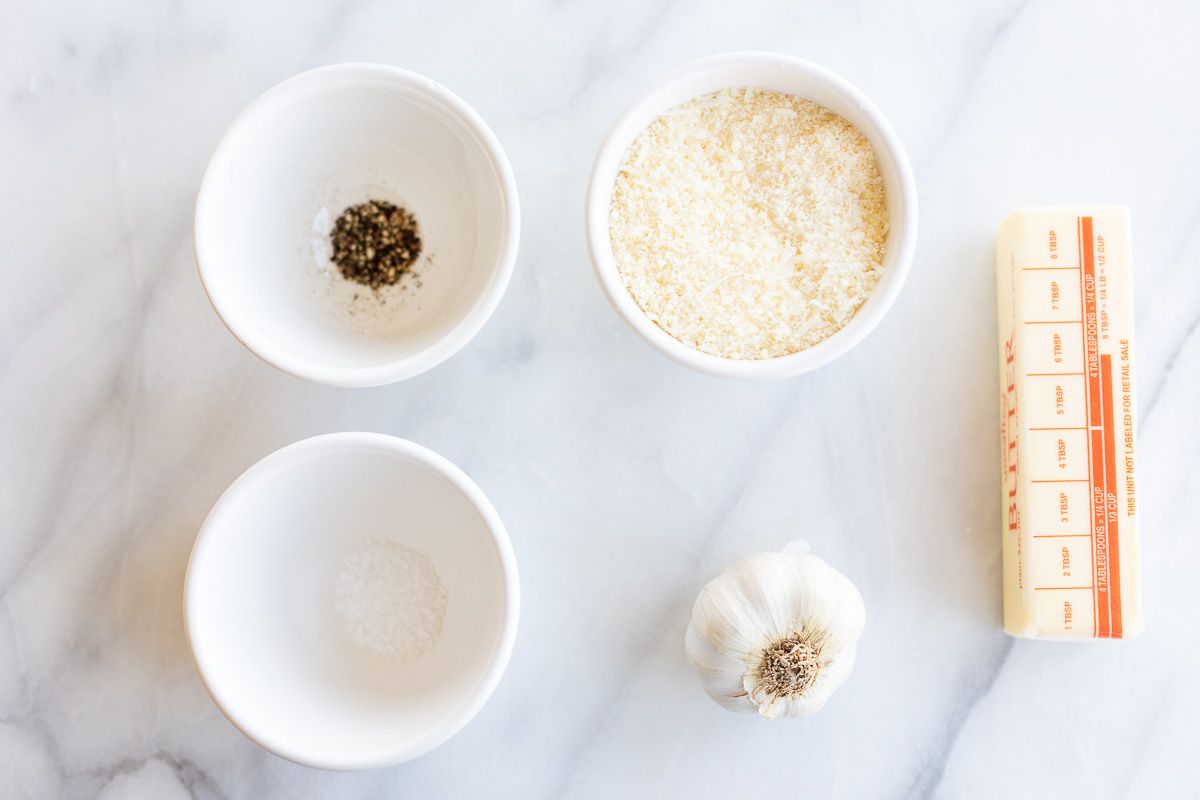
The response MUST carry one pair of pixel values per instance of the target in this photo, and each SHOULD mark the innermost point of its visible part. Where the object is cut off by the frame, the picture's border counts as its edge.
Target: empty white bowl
(782, 74)
(260, 601)
(293, 161)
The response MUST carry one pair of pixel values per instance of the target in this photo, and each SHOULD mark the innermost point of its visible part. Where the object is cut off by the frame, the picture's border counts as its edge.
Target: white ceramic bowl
(261, 614)
(293, 161)
(778, 73)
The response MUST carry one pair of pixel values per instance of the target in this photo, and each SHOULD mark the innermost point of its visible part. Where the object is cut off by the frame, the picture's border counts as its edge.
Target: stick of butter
(1070, 540)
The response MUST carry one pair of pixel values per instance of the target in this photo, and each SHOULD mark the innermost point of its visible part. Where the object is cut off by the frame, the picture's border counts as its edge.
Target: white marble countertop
(626, 482)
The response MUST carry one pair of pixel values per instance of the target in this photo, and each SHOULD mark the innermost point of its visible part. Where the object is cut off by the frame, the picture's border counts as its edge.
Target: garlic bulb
(775, 633)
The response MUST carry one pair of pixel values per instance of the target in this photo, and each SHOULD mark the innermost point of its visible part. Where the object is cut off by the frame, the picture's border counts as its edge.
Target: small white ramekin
(259, 601)
(780, 73)
(287, 167)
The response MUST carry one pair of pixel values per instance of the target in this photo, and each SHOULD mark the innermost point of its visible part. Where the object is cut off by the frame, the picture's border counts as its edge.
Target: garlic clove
(732, 622)
(768, 584)
(721, 679)
(828, 599)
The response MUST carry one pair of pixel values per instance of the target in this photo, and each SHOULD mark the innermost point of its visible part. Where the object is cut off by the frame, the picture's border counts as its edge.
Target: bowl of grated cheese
(752, 215)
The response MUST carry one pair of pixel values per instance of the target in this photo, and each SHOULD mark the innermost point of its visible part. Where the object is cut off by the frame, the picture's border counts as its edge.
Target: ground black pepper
(375, 243)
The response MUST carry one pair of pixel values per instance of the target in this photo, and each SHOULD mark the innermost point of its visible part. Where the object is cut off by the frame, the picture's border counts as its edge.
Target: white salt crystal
(390, 599)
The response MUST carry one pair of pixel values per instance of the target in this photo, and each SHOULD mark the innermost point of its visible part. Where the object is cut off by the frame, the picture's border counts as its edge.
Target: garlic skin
(775, 633)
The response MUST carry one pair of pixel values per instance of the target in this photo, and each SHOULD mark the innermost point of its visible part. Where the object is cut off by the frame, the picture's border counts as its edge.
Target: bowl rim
(499, 658)
(902, 242)
(437, 351)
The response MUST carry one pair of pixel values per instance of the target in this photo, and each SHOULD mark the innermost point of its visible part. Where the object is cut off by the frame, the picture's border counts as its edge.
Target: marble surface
(626, 481)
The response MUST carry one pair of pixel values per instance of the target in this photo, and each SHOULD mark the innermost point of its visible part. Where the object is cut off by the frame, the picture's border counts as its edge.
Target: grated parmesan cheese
(749, 224)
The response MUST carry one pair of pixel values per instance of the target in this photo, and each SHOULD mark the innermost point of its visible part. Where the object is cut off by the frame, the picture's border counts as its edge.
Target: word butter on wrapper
(1068, 451)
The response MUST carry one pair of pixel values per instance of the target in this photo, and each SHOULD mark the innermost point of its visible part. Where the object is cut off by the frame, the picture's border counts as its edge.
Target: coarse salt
(390, 599)
(749, 224)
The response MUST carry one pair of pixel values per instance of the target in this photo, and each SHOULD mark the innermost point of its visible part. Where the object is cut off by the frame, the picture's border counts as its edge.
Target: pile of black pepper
(375, 243)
